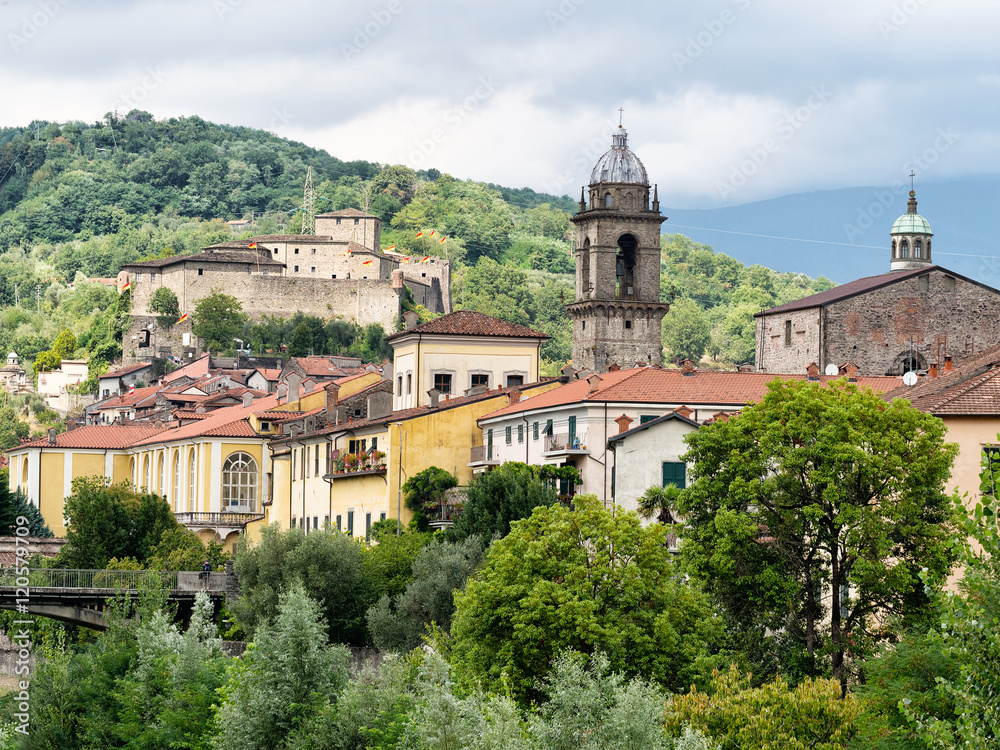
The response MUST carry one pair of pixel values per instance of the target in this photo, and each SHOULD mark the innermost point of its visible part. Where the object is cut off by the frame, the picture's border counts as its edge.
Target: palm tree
(660, 502)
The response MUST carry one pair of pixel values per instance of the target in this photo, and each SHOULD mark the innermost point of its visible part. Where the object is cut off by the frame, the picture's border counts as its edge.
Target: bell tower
(911, 238)
(617, 311)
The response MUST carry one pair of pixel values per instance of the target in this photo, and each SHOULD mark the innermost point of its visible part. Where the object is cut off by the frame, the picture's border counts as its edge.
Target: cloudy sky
(725, 101)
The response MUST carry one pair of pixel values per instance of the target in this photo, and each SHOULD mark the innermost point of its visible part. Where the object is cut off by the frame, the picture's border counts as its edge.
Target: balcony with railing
(565, 444)
(225, 521)
(483, 455)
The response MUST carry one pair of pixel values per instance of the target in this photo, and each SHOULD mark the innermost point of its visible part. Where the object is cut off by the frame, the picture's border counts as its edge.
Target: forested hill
(77, 201)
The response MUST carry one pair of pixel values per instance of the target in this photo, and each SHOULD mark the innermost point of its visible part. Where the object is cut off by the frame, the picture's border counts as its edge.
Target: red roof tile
(971, 389)
(471, 323)
(108, 437)
(126, 370)
(221, 422)
(653, 386)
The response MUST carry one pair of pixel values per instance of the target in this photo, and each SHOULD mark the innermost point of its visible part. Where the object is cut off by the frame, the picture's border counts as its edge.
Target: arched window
(131, 471)
(904, 249)
(161, 476)
(607, 200)
(192, 482)
(916, 249)
(176, 487)
(24, 473)
(928, 249)
(894, 248)
(145, 471)
(239, 482)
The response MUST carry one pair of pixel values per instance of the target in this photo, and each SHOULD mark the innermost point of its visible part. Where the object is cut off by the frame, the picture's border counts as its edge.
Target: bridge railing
(126, 580)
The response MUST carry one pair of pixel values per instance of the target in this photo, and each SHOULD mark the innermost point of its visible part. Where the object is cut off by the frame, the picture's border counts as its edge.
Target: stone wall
(875, 329)
(788, 342)
(426, 273)
(931, 315)
(622, 334)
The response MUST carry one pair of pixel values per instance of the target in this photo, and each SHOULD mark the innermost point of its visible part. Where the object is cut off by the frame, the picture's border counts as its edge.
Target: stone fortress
(339, 272)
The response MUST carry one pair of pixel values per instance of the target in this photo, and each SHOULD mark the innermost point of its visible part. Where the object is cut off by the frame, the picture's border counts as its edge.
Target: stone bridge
(81, 596)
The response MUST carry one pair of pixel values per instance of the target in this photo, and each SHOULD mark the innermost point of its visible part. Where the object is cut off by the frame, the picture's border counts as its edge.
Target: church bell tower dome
(619, 164)
(911, 239)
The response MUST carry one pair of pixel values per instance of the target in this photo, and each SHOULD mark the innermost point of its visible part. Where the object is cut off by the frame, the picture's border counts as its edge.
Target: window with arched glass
(894, 248)
(607, 200)
(239, 482)
(145, 471)
(904, 249)
(917, 249)
(161, 476)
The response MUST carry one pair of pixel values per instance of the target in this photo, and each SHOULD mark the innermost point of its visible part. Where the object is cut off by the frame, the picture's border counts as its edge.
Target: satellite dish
(910, 378)
(832, 369)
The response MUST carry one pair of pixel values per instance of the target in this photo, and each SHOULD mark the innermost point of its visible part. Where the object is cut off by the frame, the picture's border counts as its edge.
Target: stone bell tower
(911, 239)
(617, 312)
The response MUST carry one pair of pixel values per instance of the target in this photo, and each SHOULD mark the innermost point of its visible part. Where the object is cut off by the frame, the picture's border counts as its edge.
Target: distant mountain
(961, 212)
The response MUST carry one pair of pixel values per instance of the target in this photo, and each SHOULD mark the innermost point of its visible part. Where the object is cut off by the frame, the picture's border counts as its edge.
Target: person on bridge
(205, 574)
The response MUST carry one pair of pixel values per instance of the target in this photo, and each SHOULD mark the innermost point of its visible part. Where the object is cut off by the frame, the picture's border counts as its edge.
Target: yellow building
(459, 352)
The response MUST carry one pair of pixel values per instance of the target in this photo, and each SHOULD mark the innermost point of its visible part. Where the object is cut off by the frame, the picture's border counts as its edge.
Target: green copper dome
(911, 222)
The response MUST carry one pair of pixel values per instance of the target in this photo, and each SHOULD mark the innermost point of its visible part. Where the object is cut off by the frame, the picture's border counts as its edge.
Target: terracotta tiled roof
(127, 370)
(108, 437)
(130, 399)
(269, 374)
(859, 286)
(192, 414)
(973, 388)
(647, 385)
(227, 254)
(321, 367)
(470, 323)
(224, 422)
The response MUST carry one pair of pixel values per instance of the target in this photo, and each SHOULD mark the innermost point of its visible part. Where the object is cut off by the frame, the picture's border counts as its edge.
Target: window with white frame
(239, 481)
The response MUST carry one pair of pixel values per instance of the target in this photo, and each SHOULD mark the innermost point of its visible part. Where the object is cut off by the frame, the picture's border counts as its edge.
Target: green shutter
(646, 418)
(676, 472)
(572, 429)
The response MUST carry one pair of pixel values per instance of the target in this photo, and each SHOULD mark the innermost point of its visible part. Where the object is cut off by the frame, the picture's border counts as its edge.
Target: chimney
(410, 319)
(568, 372)
(851, 370)
(52, 436)
(623, 422)
(932, 371)
(294, 381)
(812, 371)
(614, 368)
(247, 399)
(282, 392)
(332, 394)
(200, 409)
(947, 363)
(515, 395)
(434, 395)
(684, 411)
(158, 423)
(688, 368)
(593, 383)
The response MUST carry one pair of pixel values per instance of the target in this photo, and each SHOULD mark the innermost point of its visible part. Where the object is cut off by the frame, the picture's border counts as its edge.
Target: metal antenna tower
(308, 199)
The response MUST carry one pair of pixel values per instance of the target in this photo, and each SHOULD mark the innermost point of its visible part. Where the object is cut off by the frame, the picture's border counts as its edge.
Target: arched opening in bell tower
(625, 261)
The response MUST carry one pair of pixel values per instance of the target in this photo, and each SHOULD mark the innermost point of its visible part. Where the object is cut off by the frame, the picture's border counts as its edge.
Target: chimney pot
(434, 394)
(932, 371)
(623, 423)
(247, 399)
(687, 367)
(52, 436)
(947, 363)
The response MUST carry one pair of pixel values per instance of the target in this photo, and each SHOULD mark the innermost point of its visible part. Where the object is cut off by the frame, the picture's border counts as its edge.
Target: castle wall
(626, 335)
(365, 231)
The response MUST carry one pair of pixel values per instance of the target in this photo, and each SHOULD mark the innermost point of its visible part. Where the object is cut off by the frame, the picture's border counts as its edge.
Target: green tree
(283, 680)
(12, 428)
(497, 290)
(686, 331)
(218, 320)
(301, 343)
(496, 498)
(111, 520)
(164, 303)
(811, 716)
(14, 506)
(327, 563)
(397, 623)
(815, 495)
(585, 579)
(423, 492)
(64, 345)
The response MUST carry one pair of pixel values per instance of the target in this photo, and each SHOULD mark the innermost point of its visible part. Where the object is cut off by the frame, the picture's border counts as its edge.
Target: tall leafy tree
(218, 320)
(497, 498)
(584, 579)
(686, 331)
(812, 513)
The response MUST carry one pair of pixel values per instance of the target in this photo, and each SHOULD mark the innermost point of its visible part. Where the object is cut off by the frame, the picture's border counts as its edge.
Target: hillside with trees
(79, 200)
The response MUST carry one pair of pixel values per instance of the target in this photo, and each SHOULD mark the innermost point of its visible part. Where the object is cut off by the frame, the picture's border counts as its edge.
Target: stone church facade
(617, 311)
(916, 315)
(340, 272)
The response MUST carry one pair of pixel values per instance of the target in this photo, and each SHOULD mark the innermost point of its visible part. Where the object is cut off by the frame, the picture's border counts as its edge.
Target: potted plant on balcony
(350, 462)
(338, 464)
(378, 460)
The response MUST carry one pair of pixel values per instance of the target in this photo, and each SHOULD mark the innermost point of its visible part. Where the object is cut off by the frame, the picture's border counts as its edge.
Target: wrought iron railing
(232, 518)
(110, 580)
